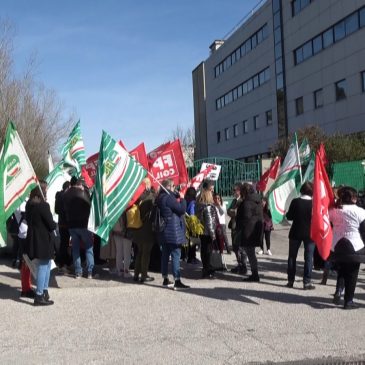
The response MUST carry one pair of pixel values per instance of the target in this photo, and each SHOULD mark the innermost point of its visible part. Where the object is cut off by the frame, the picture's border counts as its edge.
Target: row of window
(243, 89)
(337, 32)
(235, 130)
(340, 90)
(298, 5)
(246, 47)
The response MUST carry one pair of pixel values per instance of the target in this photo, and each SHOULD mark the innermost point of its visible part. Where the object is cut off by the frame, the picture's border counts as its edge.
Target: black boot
(46, 295)
(40, 300)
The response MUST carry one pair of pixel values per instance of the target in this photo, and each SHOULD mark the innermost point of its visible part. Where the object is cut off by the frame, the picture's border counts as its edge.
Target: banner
(214, 171)
(17, 178)
(304, 152)
(269, 177)
(196, 181)
(139, 153)
(167, 162)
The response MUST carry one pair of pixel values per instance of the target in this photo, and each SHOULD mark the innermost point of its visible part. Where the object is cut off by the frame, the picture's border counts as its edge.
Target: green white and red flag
(118, 176)
(73, 151)
(17, 177)
(284, 189)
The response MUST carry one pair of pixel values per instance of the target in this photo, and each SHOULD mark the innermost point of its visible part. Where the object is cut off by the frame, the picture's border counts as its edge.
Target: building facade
(291, 64)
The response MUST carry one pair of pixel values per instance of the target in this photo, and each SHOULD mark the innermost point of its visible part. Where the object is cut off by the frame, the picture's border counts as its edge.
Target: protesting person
(300, 212)
(39, 243)
(77, 205)
(348, 249)
(63, 259)
(190, 197)
(221, 212)
(172, 208)
(249, 226)
(240, 253)
(143, 236)
(207, 214)
(268, 227)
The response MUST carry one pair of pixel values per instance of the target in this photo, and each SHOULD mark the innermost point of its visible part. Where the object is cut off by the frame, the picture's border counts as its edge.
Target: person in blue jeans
(77, 208)
(300, 212)
(172, 209)
(39, 244)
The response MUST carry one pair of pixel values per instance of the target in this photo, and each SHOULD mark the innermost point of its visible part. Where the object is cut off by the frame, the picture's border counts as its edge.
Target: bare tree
(187, 140)
(35, 110)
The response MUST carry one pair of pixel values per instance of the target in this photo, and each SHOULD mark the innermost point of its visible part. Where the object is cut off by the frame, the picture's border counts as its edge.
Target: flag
(139, 153)
(196, 181)
(55, 179)
(85, 175)
(50, 163)
(118, 177)
(322, 155)
(304, 152)
(284, 189)
(73, 151)
(167, 162)
(17, 177)
(323, 198)
(269, 177)
(309, 172)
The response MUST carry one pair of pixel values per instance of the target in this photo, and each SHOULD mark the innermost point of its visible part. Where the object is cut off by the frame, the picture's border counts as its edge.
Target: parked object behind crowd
(249, 225)
(300, 212)
(348, 249)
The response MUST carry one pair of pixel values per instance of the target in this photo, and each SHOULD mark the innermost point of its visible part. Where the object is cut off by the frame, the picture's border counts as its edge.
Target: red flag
(322, 155)
(139, 153)
(88, 180)
(167, 162)
(196, 181)
(91, 166)
(323, 198)
(268, 178)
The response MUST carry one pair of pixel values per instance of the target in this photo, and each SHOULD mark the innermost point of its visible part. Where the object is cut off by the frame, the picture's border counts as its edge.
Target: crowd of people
(137, 242)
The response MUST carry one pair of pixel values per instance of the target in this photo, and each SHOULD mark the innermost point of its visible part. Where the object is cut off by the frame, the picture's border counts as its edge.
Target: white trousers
(123, 248)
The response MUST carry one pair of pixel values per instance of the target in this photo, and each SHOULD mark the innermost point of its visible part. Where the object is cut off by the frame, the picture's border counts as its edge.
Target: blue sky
(122, 66)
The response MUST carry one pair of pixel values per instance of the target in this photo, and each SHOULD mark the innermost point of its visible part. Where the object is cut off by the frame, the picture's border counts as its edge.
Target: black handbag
(215, 260)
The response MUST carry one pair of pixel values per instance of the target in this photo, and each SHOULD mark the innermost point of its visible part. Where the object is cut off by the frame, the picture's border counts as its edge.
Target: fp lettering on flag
(165, 166)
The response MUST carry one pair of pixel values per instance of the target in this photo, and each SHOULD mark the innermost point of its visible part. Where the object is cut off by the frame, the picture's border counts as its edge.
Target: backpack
(157, 220)
(134, 217)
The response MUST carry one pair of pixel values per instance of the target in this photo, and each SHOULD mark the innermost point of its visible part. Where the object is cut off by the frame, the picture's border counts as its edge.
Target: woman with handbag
(206, 212)
(221, 212)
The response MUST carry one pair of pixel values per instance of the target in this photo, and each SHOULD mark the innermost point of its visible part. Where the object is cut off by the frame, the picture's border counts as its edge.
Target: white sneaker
(260, 252)
(269, 252)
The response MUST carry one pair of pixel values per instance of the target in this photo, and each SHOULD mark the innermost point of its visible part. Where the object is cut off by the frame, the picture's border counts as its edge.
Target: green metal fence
(349, 173)
(232, 171)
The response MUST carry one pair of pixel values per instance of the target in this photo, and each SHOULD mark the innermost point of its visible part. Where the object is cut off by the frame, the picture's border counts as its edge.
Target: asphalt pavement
(222, 321)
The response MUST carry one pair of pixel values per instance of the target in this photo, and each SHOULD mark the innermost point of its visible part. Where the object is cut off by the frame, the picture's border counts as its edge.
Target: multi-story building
(289, 65)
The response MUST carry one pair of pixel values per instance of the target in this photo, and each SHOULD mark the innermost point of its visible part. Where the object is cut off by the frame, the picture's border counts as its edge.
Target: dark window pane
(248, 45)
(244, 88)
(295, 7)
(239, 91)
(268, 117)
(256, 81)
(221, 68)
(267, 74)
(277, 20)
(226, 134)
(299, 107)
(226, 99)
(262, 77)
(307, 50)
(277, 35)
(363, 80)
(304, 3)
(229, 61)
(235, 91)
(277, 50)
(279, 81)
(362, 17)
(327, 38)
(275, 5)
(318, 98)
(233, 58)
(352, 23)
(317, 44)
(340, 90)
(279, 65)
(254, 41)
(299, 55)
(245, 126)
(259, 36)
(235, 130)
(238, 54)
(339, 31)
(256, 122)
(222, 101)
(265, 31)
(249, 85)
(243, 49)
(218, 137)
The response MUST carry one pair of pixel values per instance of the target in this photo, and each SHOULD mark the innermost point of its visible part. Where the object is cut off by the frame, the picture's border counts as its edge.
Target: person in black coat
(172, 207)
(300, 212)
(39, 243)
(249, 225)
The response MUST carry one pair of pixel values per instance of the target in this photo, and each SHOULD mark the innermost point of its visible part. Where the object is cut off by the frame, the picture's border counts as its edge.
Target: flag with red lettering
(167, 162)
(323, 198)
(139, 153)
(269, 177)
(196, 181)
(91, 165)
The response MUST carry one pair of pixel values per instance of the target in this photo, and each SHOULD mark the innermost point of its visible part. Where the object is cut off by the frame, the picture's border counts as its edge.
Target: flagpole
(300, 166)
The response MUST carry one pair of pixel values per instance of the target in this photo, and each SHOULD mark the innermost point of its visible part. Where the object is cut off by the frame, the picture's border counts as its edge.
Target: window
(279, 81)
(262, 77)
(239, 91)
(307, 50)
(244, 88)
(256, 122)
(248, 45)
(249, 85)
(259, 36)
(267, 74)
(299, 107)
(317, 44)
(277, 50)
(328, 38)
(339, 31)
(318, 98)
(256, 81)
(277, 35)
(277, 20)
(268, 117)
(226, 134)
(340, 90)
(218, 137)
(238, 54)
(279, 65)
(362, 17)
(235, 94)
(299, 55)
(363, 81)
(218, 106)
(265, 30)
(352, 23)
(245, 126)
(235, 130)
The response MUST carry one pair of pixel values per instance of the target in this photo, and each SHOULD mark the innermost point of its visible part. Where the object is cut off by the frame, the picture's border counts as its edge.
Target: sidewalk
(221, 321)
